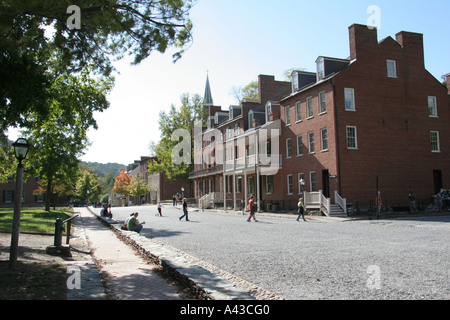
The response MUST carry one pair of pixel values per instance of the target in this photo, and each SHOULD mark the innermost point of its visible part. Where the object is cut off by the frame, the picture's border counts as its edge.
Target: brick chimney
(447, 79)
(412, 44)
(363, 41)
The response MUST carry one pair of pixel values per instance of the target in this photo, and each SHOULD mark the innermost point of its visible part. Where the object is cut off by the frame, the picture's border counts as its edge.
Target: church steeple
(208, 100)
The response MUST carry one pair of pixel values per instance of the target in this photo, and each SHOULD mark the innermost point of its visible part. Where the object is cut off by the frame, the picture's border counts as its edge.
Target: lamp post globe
(21, 147)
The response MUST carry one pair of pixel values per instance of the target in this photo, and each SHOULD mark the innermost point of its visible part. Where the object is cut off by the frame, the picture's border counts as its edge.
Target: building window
(268, 184)
(312, 181)
(250, 120)
(311, 142)
(324, 139)
(229, 184)
(298, 112)
(301, 178)
(349, 99)
(352, 141)
(288, 148)
(432, 107)
(268, 111)
(391, 69)
(320, 69)
(434, 136)
(299, 146)
(287, 113)
(322, 103)
(238, 184)
(290, 186)
(295, 85)
(8, 196)
(309, 107)
(251, 185)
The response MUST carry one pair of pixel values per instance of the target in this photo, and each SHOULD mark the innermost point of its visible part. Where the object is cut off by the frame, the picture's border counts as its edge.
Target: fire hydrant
(59, 228)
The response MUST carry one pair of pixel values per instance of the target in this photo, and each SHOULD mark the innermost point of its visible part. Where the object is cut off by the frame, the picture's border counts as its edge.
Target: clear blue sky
(236, 40)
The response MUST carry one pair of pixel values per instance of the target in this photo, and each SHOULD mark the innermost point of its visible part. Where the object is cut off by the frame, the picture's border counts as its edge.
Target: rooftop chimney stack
(362, 39)
(447, 79)
(412, 43)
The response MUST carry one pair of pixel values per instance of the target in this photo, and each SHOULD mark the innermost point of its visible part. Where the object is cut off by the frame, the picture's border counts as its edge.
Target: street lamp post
(302, 185)
(21, 148)
(182, 192)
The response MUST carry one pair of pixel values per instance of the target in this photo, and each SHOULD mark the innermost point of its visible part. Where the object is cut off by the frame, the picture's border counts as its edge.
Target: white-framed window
(268, 111)
(268, 184)
(435, 145)
(299, 146)
(288, 148)
(287, 114)
(391, 69)
(290, 185)
(295, 84)
(324, 139)
(229, 184)
(238, 184)
(298, 111)
(312, 181)
(311, 142)
(320, 69)
(352, 139)
(432, 106)
(322, 102)
(250, 119)
(301, 178)
(309, 107)
(349, 99)
(251, 185)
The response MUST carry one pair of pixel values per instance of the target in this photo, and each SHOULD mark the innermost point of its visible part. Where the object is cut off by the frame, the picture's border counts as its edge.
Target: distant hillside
(104, 168)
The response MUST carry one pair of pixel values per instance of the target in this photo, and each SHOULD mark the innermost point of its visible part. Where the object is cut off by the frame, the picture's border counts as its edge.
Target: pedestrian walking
(301, 209)
(185, 210)
(251, 208)
(379, 202)
(412, 202)
(159, 209)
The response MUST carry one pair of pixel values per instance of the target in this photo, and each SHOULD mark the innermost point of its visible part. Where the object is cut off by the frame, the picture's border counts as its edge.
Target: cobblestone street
(319, 259)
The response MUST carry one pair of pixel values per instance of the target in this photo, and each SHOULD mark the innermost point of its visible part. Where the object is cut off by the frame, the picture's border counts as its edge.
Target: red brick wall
(393, 125)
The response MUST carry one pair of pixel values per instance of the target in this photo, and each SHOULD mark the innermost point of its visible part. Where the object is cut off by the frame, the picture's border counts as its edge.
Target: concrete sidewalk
(126, 274)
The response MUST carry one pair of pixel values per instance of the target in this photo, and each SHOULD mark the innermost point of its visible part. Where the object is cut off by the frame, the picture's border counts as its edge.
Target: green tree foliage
(88, 187)
(138, 186)
(250, 91)
(37, 34)
(190, 112)
(59, 139)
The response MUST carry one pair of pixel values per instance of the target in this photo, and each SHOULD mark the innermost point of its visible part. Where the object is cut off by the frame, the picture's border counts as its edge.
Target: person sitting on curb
(134, 224)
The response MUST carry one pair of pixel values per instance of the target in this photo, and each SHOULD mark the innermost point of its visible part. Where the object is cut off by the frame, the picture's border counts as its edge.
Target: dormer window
(320, 69)
(250, 119)
(268, 111)
(295, 83)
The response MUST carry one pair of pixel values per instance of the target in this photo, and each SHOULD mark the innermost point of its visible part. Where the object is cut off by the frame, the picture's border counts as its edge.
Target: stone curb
(202, 283)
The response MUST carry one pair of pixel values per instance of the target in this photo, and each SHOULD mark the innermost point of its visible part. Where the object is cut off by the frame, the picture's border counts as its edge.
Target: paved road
(320, 259)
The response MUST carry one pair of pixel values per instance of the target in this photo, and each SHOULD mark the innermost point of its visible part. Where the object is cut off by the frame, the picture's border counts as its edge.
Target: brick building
(376, 121)
(7, 193)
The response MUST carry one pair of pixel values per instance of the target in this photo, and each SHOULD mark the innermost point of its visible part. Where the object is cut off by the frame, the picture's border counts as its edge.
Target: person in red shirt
(251, 208)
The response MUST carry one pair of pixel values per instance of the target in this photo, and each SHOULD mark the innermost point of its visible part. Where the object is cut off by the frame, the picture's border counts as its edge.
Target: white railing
(342, 202)
(204, 201)
(325, 204)
(317, 200)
